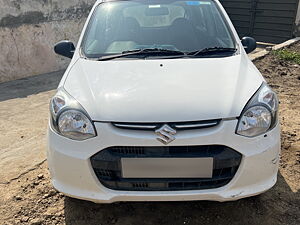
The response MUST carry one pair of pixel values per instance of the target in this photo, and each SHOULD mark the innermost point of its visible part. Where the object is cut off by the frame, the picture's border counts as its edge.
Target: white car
(161, 103)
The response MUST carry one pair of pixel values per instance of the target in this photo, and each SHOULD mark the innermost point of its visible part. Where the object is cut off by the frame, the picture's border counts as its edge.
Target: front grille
(107, 167)
(128, 150)
(174, 125)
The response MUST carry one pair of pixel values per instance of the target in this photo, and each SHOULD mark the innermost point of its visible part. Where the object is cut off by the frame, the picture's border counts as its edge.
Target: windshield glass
(185, 26)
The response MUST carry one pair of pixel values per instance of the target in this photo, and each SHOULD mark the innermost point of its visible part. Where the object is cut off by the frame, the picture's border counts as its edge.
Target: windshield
(185, 26)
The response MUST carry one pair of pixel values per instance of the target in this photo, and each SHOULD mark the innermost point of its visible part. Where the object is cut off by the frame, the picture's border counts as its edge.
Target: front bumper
(72, 173)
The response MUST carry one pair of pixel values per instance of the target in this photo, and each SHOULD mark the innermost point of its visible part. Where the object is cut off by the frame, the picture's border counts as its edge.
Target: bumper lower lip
(72, 173)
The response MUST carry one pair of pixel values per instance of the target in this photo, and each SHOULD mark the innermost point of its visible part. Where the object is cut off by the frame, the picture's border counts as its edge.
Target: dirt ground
(27, 197)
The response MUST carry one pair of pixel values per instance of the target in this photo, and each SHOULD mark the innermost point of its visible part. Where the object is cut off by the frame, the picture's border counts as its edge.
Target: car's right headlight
(69, 119)
(260, 114)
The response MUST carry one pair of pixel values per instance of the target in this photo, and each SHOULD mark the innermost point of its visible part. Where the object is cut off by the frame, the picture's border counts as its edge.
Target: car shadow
(277, 206)
(31, 85)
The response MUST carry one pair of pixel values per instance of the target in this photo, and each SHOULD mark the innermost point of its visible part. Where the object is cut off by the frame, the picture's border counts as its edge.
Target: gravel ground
(27, 197)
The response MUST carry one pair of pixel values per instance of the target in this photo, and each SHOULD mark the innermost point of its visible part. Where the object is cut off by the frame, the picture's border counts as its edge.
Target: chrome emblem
(166, 134)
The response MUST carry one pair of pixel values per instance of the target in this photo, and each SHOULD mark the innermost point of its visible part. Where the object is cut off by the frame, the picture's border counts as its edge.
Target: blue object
(197, 3)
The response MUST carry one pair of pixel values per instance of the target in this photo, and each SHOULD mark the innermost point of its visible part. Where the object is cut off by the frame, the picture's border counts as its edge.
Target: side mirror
(249, 44)
(65, 48)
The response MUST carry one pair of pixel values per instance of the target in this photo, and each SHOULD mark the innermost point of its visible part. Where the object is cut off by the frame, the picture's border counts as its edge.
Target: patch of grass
(288, 55)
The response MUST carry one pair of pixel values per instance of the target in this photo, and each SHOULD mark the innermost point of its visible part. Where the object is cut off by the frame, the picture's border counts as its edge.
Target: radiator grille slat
(175, 125)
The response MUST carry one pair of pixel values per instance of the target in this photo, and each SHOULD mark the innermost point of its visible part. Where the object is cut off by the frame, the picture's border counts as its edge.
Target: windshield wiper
(167, 52)
(144, 52)
(212, 50)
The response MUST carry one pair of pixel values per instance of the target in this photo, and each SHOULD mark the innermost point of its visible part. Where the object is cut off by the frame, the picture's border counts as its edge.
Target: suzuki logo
(165, 134)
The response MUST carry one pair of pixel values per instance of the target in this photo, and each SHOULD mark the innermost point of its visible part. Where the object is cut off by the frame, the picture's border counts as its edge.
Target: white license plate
(167, 167)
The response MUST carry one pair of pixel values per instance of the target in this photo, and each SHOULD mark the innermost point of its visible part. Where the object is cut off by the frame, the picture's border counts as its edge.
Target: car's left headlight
(261, 113)
(69, 119)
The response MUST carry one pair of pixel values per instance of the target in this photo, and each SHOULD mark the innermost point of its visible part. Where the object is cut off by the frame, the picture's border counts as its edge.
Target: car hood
(168, 90)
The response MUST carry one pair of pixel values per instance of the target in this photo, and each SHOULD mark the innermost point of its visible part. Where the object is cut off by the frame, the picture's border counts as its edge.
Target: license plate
(167, 167)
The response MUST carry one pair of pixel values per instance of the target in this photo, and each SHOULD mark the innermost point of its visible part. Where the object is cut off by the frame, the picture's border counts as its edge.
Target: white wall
(30, 28)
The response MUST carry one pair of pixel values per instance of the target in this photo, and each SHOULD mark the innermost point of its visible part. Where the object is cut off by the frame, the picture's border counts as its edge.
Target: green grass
(288, 55)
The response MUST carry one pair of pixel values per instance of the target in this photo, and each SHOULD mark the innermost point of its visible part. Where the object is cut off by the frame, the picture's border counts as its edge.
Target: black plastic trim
(107, 167)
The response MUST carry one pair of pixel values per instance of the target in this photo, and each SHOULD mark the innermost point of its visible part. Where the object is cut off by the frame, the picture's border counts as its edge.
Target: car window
(142, 14)
(186, 26)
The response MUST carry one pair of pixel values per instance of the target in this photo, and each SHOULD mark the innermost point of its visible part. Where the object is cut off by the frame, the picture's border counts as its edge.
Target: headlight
(75, 125)
(69, 119)
(260, 114)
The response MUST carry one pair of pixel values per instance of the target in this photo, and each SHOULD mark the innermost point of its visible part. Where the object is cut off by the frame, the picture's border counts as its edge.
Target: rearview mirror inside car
(157, 11)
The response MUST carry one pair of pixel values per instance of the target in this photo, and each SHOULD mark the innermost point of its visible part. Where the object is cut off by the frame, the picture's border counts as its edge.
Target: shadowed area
(277, 206)
(28, 86)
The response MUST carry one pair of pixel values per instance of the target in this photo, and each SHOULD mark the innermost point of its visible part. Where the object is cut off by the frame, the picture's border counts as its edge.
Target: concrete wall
(30, 28)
